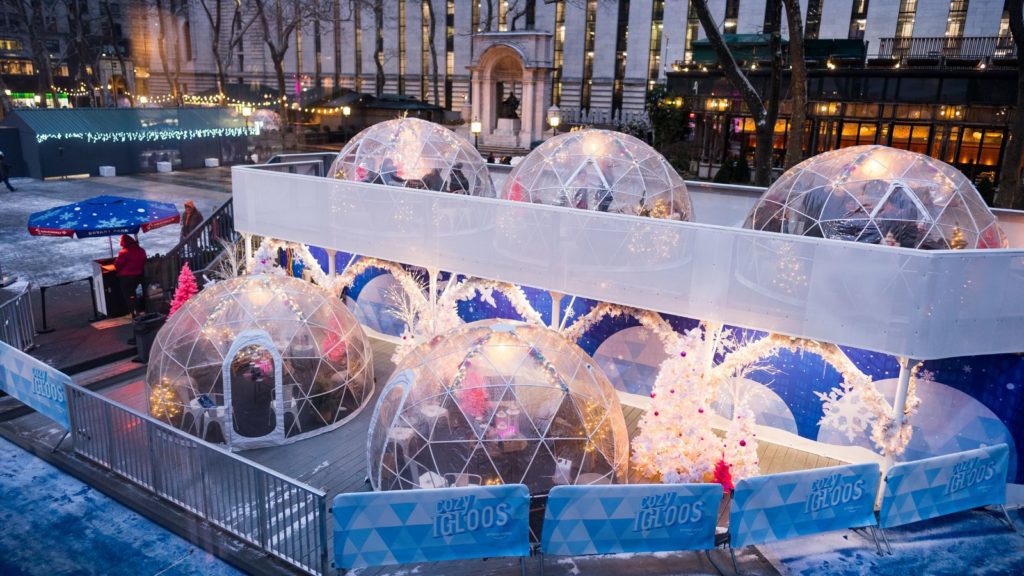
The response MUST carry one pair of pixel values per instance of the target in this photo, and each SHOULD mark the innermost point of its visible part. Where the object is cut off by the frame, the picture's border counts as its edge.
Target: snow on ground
(974, 542)
(53, 524)
(46, 261)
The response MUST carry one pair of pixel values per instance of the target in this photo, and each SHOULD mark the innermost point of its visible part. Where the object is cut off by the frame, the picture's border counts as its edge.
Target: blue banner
(408, 526)
(781, 506)
(35, 384)
(582, 520)
(943, 485)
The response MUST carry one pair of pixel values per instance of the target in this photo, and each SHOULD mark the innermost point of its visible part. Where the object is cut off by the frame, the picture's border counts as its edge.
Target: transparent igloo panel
(414, 153)
(878, 195)
(497, 402)
(600, 170)
(292, 329)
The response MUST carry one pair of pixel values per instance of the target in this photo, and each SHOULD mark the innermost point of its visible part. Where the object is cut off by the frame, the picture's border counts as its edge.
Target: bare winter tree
(84, 46)
(764, 112)
(34, 18)
(1010, 193)
(167, 15)
(432, 17)
(279, 20)
(798, 82)
(118, 48)
(227, 34)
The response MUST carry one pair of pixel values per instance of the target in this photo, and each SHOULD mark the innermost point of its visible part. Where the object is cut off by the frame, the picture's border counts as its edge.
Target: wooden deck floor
(336, 461)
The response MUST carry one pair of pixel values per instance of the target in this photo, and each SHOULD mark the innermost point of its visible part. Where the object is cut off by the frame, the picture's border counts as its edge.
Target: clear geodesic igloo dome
(259, 360)
(414, 153)
(878, 195)
(497, 402)
(600, 170)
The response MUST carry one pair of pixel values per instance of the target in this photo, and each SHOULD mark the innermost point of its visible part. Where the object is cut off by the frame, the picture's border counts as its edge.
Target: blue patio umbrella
(103, 216)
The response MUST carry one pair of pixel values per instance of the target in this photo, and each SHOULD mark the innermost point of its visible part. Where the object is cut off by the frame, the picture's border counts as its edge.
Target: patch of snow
(570, 564)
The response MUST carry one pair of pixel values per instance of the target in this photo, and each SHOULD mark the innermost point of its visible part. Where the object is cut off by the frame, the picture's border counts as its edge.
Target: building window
(186, 34)
(425, 52)
(657, 26)
(357, 23)
(16, 67)
(1004, 45)
(957, 18)
(449, 47)
(732, 16)
(401, 46)
(622, 32)
(813, 24)
(559, 53)
(474, 16)
(858, 19)
(10, 45)
(692, 29)
(502, 15)
(589, 37)
(905, 18)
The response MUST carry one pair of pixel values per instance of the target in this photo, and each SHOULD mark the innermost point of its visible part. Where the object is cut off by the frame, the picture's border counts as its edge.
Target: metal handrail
(280, 515)
(17, 322)
(199, 249)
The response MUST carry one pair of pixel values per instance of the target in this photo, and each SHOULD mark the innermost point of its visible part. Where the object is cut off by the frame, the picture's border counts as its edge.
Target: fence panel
(279, 515)
(17, 324)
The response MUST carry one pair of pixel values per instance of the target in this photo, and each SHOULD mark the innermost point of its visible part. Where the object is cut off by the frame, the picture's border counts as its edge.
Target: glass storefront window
(970, 146)
(991, 144)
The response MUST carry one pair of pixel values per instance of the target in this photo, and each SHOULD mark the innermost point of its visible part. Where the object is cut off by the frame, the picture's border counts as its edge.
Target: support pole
(247, 240)
(899, 404)
(556, 309)
(42, 300)
(432, 273)
(332, 266)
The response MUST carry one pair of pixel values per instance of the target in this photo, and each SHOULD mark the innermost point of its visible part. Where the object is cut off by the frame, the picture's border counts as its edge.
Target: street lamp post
(246, 112)
(554, 119)
(346, 111)
(475, 128)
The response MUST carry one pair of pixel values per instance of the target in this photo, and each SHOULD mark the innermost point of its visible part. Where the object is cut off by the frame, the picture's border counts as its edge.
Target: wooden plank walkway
(336, 461)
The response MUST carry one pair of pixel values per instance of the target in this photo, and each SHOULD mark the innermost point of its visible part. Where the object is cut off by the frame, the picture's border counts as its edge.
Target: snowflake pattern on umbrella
(103, 216)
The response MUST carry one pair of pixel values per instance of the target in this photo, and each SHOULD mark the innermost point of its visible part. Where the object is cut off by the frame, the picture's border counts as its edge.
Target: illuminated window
(905, 18)
(957, 18)
(858, 19)
(559, 52)
(732, 15)
(813, 25)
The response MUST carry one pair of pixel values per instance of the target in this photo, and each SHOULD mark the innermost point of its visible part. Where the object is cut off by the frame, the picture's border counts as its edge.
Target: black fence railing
(200, 250)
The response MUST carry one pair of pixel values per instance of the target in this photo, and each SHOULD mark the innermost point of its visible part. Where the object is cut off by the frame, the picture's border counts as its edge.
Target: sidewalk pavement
(76, 343)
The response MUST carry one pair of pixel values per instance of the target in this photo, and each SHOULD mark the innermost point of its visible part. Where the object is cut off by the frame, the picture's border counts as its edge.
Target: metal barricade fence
(17, 324)
(279, 515)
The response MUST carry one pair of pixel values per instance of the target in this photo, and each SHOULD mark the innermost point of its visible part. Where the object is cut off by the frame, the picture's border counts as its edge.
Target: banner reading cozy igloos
(943, 485)
(409, 526)
(39, 386)
(781, 506)
(582, 520)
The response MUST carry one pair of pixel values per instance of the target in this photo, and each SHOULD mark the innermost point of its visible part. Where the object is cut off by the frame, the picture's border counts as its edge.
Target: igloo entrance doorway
(253, 390)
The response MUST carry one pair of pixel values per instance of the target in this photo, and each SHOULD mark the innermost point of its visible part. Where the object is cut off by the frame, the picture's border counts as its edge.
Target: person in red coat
(128, 267)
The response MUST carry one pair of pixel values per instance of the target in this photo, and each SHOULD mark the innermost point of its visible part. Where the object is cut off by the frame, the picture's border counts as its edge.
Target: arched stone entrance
(511, 90)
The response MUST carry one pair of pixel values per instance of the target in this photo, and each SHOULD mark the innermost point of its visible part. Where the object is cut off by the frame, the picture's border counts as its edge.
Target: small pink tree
(187, 288)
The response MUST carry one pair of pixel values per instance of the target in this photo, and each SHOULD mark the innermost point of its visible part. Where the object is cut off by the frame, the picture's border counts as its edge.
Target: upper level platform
(904, 302)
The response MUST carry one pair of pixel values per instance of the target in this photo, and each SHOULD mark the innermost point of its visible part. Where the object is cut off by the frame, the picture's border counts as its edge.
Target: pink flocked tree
(187, 288)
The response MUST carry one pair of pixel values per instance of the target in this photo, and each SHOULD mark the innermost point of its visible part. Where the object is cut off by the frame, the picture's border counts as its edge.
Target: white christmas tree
(739, 448)
(676, 441)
